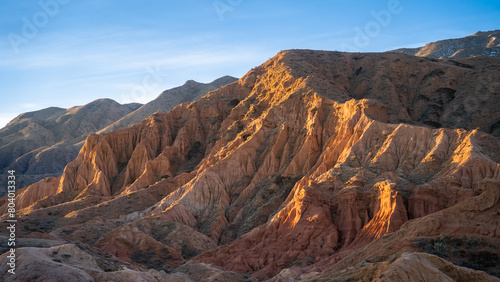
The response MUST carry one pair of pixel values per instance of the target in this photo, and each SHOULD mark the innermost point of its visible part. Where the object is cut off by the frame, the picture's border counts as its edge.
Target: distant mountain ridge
(40, 144)
(168, 99)
(482, 43)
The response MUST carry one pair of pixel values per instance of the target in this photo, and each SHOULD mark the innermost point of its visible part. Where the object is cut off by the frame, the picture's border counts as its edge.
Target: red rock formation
(466, 234)
(34, 193)
(305, 160)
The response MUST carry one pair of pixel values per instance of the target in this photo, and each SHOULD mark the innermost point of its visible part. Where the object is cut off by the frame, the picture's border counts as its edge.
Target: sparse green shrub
(440, 245)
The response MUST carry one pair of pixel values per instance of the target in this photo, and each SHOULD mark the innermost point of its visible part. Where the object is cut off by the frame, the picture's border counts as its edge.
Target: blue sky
(68, 52)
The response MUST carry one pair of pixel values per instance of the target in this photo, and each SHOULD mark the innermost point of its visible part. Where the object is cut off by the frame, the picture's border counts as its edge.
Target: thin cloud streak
(112, 57)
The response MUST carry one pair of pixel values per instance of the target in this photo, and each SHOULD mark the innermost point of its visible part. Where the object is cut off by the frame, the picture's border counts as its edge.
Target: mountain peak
(191, 82)
(224, 80)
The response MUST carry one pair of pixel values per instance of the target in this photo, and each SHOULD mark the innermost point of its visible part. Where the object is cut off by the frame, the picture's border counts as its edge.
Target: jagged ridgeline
(39, 144)
(382, 164)
(485, 43)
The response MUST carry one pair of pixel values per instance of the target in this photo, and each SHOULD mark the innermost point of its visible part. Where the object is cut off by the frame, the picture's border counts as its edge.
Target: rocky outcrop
(204, 272)
(402, 267)
(155, 242)
(465, 234)
(34, 193)
(298, 166)
(69, 263)
(485, 43)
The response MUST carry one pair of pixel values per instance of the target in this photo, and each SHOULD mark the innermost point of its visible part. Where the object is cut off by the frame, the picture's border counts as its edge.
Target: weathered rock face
(69, 263)
(36, 193)
(303, 162)
(466, 234)
(155, 242)
(401, 267)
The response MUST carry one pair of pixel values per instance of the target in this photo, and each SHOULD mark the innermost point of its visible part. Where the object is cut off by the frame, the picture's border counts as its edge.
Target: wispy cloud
(103, 53)
(80, 67)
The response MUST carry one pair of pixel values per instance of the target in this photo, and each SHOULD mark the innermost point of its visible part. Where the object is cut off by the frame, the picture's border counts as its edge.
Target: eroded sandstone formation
(293, 171)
